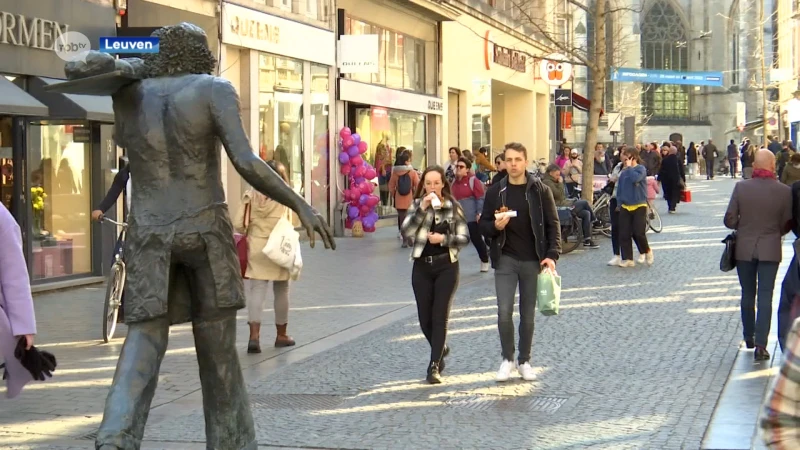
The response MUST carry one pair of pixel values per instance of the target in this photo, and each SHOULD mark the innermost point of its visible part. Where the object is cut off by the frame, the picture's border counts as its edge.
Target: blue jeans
(757, 279)
(510, 272)
(583, 211)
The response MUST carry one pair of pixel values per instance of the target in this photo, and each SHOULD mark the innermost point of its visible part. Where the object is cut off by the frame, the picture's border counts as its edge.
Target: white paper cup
(435, 202)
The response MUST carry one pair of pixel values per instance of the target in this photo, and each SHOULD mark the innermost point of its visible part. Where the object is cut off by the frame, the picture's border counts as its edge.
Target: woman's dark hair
(458, 151)
(279, 168)
(484, 150)
(398, 154)
(552, 168)
(795, 158)
(632, 153)
(445, 184)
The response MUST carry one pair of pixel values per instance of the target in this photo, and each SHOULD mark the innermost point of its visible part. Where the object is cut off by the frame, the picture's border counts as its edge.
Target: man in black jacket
(521, 247)
(710, 155)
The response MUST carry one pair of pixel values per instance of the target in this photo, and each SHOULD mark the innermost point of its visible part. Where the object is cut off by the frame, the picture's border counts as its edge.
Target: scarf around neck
(763, 173)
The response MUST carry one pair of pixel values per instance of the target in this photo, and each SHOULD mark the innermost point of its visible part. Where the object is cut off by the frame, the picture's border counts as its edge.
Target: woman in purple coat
(16, 304)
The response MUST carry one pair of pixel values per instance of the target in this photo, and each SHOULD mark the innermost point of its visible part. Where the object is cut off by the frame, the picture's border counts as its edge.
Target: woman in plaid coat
(436, 224)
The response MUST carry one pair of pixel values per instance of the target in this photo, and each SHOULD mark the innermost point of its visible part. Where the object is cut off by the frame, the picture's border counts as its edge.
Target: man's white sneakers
(508, 367)
(505, 371)
(614, 261)
(526, 371)
(484, 267)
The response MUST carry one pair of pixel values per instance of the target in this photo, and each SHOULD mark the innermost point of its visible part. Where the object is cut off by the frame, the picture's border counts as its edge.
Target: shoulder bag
(728, 260)
(283, 244)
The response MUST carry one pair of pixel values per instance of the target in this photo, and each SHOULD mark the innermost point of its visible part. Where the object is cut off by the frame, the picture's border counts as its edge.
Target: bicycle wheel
(571, 237)
(654, 220)
(116, 283)
(603, 214)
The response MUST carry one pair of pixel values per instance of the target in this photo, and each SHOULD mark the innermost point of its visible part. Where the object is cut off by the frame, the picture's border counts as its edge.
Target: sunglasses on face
(461, 166)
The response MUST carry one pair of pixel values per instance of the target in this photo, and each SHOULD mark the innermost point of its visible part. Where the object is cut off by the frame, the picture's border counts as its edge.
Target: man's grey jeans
(510, 272)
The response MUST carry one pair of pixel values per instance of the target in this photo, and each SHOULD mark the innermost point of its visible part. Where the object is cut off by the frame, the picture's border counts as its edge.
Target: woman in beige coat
(263, 214)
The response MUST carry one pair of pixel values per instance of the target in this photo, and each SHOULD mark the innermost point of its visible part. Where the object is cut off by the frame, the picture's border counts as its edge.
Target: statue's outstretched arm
(98, 63)
(225, 109)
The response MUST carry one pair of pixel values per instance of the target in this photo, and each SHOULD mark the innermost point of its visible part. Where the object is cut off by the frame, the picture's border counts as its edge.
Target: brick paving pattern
(636, 359)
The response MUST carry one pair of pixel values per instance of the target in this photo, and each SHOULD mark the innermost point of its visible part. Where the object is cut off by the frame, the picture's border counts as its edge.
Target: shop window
(60, 199)
(281, 114)
(320, 158)
(6, 164)
(405, 62)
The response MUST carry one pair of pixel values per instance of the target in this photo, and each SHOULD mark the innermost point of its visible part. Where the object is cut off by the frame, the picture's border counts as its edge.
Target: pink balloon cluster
(359, 194)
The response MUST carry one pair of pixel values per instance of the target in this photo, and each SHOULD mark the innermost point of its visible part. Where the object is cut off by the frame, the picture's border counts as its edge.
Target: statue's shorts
(185, 270)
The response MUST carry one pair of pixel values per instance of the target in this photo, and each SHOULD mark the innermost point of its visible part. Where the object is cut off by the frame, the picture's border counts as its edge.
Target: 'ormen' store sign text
(16, 29)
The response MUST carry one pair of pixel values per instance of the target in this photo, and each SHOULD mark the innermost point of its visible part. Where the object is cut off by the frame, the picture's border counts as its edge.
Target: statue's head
(182, 49)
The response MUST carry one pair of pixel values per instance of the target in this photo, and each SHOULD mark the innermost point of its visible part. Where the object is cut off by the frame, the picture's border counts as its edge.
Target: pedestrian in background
(760, 210)
(468, 191)
(450, 168)
(748, 155)
(438, 228)
(613, 208)
(17, 318)
(692, 160)
(402, 184)
(256, 218)
(791, 173)
(521, 247)
(671, 178)
(733, 158)
(632, 204)
(710, 155)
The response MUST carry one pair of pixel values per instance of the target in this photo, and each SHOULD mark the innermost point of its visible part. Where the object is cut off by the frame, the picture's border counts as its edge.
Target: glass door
(7, 178)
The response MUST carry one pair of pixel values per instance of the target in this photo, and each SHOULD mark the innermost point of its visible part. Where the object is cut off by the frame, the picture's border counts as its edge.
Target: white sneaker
(505, 371)
(614, 261)
(641, 259)
(627, 263)
(484, 267)
(650, 257)
(526, 371)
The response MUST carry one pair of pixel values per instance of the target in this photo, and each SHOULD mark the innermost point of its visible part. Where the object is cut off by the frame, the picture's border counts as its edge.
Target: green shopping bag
(549, 286)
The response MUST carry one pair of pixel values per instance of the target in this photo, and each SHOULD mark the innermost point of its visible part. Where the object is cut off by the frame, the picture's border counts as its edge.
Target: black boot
(761, 354)
(433, 373)
(750, 342)
(441, 362)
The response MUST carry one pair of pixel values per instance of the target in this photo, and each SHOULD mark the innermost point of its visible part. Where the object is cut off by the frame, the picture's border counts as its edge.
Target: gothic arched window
(664, 47)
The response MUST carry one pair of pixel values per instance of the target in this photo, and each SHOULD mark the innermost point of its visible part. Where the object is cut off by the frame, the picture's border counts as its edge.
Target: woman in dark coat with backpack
(402, 184)
(671, 177)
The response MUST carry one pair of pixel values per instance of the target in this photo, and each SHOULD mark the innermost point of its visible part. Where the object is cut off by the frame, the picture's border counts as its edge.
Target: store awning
(583, 103)
(72, 106)
(15, 101)
(750, 126)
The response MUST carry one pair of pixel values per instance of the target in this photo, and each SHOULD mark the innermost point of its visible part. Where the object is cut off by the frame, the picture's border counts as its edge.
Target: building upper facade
(319, 13)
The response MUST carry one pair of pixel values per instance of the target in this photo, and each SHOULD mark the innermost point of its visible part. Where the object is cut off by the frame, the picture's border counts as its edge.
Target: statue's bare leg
(229, 423)
(135, 380)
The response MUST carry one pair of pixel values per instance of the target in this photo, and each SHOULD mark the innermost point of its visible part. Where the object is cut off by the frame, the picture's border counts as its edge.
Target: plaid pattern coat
(418, 223)
(780, 421)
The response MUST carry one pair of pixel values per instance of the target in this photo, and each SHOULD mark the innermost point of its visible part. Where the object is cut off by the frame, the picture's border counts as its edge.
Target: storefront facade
(55, 149)
(283, 70)
(493, 95)
(396, 102)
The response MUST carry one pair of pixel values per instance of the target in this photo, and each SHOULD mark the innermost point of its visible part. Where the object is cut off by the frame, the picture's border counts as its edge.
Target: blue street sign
(667, 77)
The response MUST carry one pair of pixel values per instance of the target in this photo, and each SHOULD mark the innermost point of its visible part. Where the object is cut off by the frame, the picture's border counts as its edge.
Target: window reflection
(60, 196)
(404, 62)
(320, 110)
(281, 114)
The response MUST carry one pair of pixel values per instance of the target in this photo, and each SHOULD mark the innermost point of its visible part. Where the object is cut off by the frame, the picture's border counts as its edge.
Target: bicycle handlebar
(112, 221)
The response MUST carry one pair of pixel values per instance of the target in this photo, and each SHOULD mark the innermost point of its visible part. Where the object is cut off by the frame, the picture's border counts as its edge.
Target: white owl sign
(554, 71)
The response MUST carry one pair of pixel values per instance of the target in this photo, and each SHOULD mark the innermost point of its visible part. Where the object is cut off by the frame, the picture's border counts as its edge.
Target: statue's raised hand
(313, 222)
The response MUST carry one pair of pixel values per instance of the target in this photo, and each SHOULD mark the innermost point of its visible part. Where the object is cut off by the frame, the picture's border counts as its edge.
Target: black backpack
(404, 184)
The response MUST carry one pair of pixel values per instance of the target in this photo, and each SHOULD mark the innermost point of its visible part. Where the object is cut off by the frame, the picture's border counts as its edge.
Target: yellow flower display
(37, 198)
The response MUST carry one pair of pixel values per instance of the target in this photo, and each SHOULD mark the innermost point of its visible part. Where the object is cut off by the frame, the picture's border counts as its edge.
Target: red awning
(583, 103)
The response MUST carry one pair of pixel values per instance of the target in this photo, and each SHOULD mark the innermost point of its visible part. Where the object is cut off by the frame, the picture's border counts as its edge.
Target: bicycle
(571, 229)
(654, 219)
(116, 284)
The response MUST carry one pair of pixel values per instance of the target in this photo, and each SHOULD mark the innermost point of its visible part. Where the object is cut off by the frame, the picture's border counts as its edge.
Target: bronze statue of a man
(181, 259)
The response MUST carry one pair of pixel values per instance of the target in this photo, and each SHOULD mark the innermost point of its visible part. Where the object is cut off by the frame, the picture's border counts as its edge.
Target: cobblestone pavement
(636, 359)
